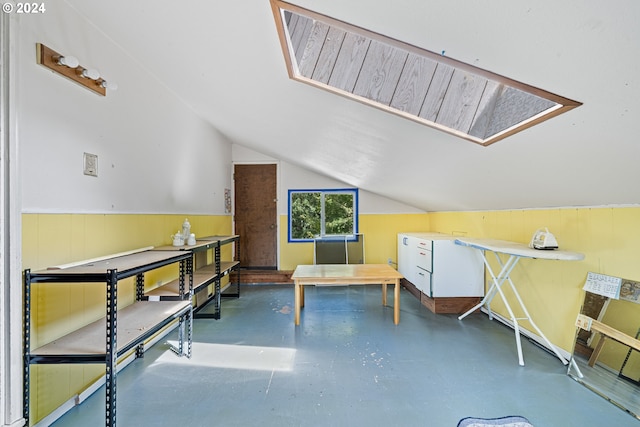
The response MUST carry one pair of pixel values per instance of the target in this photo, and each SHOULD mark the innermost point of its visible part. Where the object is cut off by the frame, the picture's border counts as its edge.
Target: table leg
(301, 296)
(396, 302)
(384, 294)
(296, 303)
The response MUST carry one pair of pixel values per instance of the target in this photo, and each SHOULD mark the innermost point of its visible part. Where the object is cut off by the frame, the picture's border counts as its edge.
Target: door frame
(11, 325)
(278, 200)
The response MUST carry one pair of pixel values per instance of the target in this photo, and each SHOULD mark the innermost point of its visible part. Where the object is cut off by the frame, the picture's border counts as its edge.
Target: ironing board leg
(486, 300)
(504, 275)
(496, 284)
(524, 309)
(540, 333)
(577, 368)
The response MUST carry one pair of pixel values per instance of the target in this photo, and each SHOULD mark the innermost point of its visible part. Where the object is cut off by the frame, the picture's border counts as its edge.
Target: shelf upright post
(139, 286)
(190, 269)
(26, 343)
(217, 295)
(139, 297)
(237, 244)
(626, 359)
(111, 348)
(186, 267)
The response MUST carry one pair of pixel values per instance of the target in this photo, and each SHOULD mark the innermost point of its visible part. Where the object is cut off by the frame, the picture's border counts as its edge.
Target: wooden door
(256, 215)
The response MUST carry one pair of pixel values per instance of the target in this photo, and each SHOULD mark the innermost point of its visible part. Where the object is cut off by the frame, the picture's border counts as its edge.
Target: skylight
(414, 83)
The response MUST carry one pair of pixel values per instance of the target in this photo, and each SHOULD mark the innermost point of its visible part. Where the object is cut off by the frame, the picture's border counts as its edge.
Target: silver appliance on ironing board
(543, 239)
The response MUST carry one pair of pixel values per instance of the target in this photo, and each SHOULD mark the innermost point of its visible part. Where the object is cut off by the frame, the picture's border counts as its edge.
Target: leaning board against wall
(606, 355)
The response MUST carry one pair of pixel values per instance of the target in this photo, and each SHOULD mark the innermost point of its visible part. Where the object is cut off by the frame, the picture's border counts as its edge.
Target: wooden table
(344, 275)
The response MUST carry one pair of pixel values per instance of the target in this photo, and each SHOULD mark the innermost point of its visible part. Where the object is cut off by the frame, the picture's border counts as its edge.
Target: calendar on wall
(613, 287)
(601, 284)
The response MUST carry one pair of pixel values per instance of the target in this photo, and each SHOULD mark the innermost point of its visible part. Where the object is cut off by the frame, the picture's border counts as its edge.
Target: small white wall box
(90, 164)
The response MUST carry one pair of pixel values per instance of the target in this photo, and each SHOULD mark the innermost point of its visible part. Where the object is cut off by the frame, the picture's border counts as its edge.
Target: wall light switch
(90, 164)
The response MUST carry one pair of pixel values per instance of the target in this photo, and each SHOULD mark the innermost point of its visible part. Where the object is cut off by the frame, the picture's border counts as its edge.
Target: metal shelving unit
(98, 342)
(204, 275)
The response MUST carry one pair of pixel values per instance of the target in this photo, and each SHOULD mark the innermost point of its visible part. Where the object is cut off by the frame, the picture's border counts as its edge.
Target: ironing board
(515, 251)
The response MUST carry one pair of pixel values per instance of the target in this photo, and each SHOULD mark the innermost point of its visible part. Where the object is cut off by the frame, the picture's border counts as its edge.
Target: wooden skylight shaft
(402, 79)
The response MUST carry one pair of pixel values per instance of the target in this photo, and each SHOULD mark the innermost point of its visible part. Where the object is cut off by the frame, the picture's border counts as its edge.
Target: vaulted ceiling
(224, 59)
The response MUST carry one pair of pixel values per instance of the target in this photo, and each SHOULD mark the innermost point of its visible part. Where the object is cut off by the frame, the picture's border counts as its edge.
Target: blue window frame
(322, 213)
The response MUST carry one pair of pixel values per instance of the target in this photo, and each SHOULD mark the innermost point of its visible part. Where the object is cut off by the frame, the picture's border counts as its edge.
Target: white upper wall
(291, 177)
(228, 64)
(155, 154)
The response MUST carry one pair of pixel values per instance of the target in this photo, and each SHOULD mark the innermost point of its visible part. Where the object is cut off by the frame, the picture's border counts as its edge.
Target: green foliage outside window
(338, 211)
(321, 213)
(305, 215)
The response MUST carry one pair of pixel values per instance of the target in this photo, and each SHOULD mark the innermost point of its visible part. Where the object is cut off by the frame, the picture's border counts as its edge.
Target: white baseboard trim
(535, 337)
(57, 413)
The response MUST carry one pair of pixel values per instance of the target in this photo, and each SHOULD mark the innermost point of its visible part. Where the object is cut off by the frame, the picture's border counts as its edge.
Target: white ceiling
(224, 59)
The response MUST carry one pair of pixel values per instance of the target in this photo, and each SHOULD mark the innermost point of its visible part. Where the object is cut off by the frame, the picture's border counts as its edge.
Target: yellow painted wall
(380, 238)
(54, 239)
(552, 290)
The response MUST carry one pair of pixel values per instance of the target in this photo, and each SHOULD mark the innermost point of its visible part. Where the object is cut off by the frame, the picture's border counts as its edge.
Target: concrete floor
(347, 364)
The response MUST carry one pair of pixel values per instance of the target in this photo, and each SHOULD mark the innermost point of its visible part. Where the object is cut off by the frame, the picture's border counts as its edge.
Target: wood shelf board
(172, 288)
(133, 322)
(225, 267)
(200, 245)
(202, 277)
(220, 239)
(587, 323)
(120, 263)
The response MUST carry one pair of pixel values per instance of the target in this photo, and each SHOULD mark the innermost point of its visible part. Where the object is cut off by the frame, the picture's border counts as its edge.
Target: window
(320, 213)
